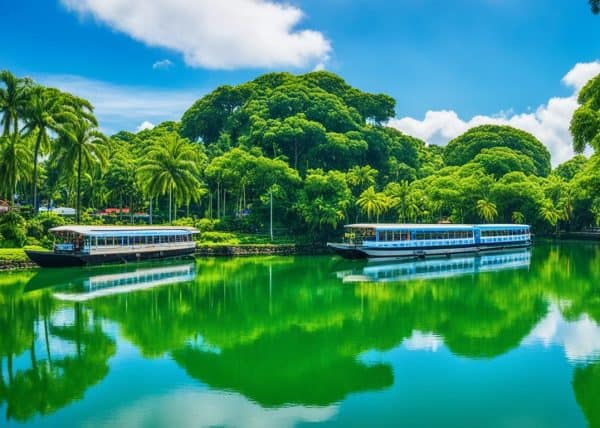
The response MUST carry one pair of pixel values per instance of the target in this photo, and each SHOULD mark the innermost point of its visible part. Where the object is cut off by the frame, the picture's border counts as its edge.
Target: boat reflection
(437, 268)
(95, 286)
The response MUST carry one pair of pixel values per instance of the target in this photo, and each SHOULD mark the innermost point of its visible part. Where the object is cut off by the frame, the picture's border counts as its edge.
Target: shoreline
(249, 250)
(215, 250)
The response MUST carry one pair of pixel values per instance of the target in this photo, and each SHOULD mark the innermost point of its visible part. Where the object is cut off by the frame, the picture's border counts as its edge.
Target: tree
(585, 123)
(14, 164)
(81, 146)
(486, 210)
(402, 199)
(499, 161)
(171, 166)
(44, 112)
(372, 203)
(550, 213)
(323, 200)
(517, 217)
(13, 100)
(567, 170)
(467, 146)
(595, 6)
(361, 177)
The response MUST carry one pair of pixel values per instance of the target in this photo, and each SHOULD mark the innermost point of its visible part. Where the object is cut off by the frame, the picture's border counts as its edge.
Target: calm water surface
(508, 340)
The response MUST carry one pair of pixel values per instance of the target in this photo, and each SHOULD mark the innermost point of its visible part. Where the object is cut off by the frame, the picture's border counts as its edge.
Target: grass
(228, 238)
(16, 254)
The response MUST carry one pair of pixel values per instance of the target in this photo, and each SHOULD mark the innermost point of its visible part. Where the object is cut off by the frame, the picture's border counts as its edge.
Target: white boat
(87, 245)
(374, 240)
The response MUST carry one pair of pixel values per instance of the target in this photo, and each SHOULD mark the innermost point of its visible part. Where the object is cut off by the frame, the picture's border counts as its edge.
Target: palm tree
(402, 200)
(486, 210)
(373, 203)
(518, 217)
(171, 166)
(14, 163)
(44, 112)
(362, 177)
(550, 213)
(595, 5)
(13, 99)
(81, 144)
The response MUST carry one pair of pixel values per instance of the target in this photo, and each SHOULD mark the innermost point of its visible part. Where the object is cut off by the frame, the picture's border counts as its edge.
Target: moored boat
(89, 245)
(373, 240)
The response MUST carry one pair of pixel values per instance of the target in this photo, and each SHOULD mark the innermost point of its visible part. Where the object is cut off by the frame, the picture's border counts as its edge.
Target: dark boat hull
(50, 259)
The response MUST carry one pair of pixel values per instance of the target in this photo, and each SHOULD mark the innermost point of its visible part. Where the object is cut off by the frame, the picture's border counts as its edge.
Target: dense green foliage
(311, 148)
(523, 147)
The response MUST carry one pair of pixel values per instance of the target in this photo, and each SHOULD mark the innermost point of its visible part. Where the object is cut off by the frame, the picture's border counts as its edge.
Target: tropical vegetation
(308, 152)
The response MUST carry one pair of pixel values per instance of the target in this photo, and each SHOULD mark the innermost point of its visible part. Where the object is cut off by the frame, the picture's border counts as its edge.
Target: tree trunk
(36, 150)
(170, 202)
(150, 210)
(78, 218)
(131, 208)
(218, 201)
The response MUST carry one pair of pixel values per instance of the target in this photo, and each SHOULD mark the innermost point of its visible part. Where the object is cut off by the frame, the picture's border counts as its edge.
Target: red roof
(114, 211)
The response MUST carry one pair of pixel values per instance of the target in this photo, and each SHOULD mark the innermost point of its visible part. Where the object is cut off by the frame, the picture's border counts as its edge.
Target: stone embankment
(12, 264)
(259, 250)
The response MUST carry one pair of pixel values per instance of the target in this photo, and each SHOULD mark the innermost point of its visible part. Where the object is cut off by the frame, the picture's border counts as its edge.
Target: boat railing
(423, 243)
(508, 238)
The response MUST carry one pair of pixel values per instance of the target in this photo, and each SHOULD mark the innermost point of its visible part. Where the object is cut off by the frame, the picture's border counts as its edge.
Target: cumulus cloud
(579, 338)
(214, 34)
(420, 341)
(549, 122)
(145, 125)
(120, 107)
(163, 64)
(193, 408)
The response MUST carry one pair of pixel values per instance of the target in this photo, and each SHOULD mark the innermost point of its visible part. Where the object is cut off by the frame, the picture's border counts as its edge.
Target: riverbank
(225, 250)
(15, 258)
(578, 236)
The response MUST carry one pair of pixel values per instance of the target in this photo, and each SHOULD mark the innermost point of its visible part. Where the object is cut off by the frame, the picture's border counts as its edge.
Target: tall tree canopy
(315, 120)
(466, 147)
(585, 124)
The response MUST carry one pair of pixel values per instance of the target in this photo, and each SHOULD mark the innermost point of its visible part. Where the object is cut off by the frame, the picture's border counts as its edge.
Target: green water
(507, 340)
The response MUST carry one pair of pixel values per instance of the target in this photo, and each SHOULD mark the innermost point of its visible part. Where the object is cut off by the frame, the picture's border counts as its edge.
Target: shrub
(184, 221)
(13, 228)
(35, 228)
(48, 220)
(219, 238)
(206, 224)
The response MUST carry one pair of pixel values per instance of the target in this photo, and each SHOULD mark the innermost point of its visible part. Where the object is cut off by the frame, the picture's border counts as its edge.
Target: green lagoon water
(507, 340)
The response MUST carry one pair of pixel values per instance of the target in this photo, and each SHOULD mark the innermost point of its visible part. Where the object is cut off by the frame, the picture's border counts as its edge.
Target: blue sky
(457, 60)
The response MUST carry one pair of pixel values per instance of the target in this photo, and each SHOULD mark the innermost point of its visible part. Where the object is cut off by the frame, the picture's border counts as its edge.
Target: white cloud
(145, 125)
(214, 34)
(319, 67)
(579, 338)
(423, 341)
(120, 107)
(163, 64)
(549, 122)
(192, 408)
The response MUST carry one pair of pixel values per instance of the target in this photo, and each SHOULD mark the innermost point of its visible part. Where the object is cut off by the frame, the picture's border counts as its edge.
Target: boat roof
(126, 230)
(443, 226)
